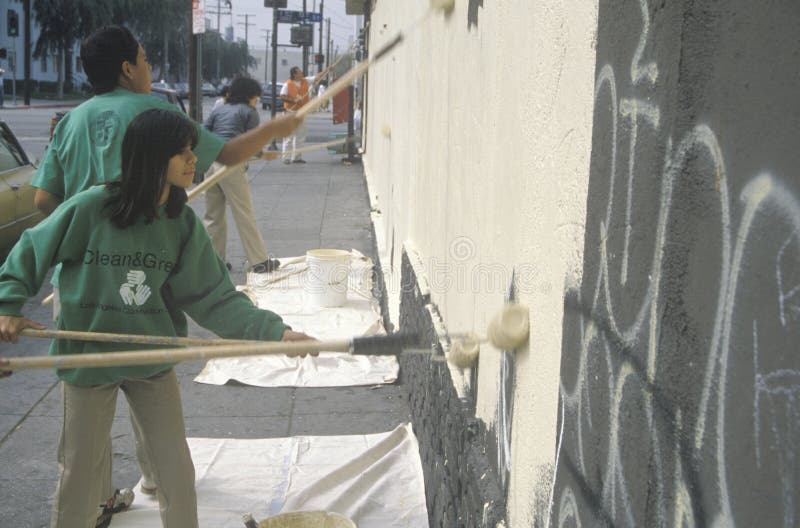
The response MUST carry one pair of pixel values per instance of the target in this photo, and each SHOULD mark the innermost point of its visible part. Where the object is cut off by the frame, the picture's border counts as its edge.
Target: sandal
(120, 501)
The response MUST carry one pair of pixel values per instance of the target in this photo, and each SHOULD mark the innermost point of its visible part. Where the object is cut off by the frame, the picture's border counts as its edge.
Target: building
(45, 69)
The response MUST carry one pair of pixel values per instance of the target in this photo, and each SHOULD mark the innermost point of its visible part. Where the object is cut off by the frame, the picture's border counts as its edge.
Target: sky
(342, 25)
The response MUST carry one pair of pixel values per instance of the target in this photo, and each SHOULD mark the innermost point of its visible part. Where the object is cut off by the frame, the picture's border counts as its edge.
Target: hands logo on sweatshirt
(135, 291)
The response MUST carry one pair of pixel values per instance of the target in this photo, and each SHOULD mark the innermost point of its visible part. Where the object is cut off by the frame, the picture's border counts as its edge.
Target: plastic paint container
(326, 278)
(308, 519)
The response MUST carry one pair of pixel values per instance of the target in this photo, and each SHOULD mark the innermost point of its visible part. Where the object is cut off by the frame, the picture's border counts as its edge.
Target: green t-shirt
(137, 280)
(86, 148)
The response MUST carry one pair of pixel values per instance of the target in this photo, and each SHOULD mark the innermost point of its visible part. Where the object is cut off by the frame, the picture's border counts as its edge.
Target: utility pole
(246, 25)
(321, 7)
(26, 6)
(273, 110)
(328, 40)
(219, 29)
(193, 83)
(219, 37)
(165, 62)
(266, 54)
(305, 47)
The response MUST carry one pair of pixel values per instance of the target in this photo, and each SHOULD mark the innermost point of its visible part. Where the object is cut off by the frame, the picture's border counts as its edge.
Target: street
(32, 126)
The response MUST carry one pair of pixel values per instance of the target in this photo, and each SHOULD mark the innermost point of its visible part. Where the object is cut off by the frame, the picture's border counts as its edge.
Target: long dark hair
(152, 138)
(242, 90)
(102, 55)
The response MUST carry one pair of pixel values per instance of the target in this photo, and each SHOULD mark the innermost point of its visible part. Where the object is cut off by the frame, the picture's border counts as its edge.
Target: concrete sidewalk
(299, 207)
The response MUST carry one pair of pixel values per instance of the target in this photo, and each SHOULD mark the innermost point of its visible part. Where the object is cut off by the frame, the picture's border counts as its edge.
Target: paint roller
(509, 329)
(381, 345)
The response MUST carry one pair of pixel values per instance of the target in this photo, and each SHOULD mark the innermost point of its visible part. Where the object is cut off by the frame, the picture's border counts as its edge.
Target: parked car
(183, 89)
(17, 210)
(166, 85)
(266, 96)
(168, 95)
(209, 89)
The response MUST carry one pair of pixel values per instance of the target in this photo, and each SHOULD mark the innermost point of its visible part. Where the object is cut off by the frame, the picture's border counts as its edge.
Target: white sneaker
(147, 486)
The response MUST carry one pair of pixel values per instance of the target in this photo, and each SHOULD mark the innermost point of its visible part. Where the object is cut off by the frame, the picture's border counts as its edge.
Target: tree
(235, 56)
(61, 24)
(162, 28)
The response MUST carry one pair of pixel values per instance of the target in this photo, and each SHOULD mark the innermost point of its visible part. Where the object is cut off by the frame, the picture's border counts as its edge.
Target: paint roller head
(510, 328)
(443, 5)
(464, 352)
(388, 345)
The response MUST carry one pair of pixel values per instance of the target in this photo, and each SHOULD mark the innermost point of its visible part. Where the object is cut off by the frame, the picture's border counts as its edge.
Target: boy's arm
(49, 178)
(244, 146)
(46, 202)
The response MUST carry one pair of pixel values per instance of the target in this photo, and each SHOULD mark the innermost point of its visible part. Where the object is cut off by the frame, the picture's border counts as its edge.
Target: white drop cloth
(283, 292)
(375, 480)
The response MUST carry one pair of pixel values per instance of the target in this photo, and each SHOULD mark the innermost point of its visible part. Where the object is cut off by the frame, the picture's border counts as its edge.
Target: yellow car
(17, 210)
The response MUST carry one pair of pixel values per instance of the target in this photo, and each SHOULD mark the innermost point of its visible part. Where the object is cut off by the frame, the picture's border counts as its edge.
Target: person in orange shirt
(295, 94)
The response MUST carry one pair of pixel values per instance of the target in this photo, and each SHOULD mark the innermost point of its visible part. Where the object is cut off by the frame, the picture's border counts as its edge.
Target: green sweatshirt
(137, 280)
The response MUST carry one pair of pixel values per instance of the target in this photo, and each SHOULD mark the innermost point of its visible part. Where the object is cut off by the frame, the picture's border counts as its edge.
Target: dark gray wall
(680, 380)
(462, 486)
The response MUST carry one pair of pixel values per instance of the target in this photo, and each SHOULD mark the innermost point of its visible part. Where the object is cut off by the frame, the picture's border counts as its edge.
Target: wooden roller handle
(175, 355)
(131, 338)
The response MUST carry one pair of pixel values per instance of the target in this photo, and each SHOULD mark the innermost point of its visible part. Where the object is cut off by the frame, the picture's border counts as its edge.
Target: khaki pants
(107, 488)
(155, 405)
(233, 190)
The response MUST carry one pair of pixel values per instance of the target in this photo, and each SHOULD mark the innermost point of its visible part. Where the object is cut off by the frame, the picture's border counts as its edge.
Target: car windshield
(11, 156)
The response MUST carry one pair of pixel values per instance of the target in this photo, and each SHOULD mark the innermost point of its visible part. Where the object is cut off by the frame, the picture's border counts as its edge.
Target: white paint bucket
(308, 519)
(326, 277)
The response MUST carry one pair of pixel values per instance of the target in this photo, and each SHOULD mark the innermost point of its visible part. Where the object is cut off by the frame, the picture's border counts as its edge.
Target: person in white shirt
(294, 94)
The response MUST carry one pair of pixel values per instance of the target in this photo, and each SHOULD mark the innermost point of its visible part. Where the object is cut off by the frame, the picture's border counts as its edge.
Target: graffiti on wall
(680, 379)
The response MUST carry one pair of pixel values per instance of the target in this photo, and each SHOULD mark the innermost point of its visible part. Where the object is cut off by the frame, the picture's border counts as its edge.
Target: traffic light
(3, 53)
(280, 4)
(12, 29)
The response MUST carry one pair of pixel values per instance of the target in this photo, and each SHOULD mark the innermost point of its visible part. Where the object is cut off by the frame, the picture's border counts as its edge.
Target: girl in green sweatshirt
(135, 259)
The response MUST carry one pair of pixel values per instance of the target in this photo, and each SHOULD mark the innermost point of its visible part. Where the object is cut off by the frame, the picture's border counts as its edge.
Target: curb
(45, 106)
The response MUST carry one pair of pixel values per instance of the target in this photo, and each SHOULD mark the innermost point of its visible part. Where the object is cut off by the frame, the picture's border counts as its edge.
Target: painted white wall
(477, 157)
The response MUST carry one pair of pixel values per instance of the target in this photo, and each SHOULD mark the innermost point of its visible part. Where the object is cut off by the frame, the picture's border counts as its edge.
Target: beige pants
(155, 405)
(233, 190)
(107, 484)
